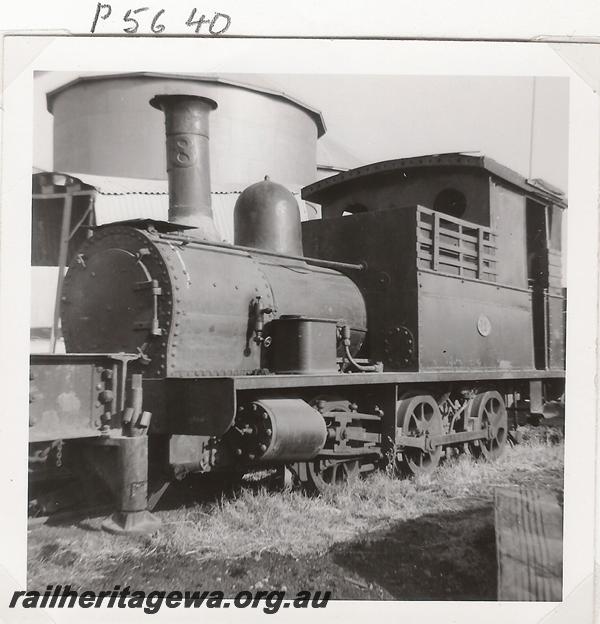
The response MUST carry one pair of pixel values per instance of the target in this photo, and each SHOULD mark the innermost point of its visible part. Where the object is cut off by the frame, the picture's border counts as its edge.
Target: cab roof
(536, 188)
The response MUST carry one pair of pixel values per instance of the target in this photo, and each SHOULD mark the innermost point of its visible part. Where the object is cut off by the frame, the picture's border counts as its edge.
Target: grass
(256, 519)
(294, 523)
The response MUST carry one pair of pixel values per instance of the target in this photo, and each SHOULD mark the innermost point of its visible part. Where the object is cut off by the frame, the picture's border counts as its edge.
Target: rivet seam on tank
(149, 264)
(156, 264)
(171, 349)
(183, 267)
(269, 292)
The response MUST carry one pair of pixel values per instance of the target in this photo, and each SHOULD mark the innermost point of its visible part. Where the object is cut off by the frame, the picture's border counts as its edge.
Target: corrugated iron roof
(109, 185)
(123, 199)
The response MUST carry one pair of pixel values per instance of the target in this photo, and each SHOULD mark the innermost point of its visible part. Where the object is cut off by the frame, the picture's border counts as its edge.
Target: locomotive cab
(456, 232)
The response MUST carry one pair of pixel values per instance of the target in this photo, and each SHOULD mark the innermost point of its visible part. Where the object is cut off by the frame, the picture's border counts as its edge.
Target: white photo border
(25, 54)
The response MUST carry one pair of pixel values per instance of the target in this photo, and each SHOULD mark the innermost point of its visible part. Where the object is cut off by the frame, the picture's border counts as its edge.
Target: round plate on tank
(484, 325)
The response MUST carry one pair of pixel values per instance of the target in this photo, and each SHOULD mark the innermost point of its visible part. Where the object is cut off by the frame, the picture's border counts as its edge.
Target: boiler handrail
(185, 239)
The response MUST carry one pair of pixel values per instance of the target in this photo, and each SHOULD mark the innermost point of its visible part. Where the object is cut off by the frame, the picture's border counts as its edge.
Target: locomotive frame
(332, 363)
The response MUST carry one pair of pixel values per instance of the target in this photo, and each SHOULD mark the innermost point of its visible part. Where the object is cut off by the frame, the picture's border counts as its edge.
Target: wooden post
(480, 248)
(529, 544)
(62, 261)
(435, 241)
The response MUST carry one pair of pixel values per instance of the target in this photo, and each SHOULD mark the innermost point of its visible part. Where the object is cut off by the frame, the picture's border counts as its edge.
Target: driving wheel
(420, 416)
(489, 413)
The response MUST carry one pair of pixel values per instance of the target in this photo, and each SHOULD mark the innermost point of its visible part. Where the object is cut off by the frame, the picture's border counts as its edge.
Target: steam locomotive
(401, 326)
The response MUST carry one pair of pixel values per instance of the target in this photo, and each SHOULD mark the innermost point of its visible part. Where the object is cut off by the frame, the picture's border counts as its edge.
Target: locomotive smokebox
(188, 164)
(266, 216)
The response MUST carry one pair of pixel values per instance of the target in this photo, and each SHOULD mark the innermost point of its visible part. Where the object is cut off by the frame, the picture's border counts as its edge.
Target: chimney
(188, 164)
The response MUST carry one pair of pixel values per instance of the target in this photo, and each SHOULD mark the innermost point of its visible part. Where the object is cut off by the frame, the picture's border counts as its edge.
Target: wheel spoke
(493, 412)
(419, 421)
(420, 415)
(329, 473)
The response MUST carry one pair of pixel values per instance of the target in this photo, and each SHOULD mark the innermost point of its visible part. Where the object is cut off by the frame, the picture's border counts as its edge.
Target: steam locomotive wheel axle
(421, 438)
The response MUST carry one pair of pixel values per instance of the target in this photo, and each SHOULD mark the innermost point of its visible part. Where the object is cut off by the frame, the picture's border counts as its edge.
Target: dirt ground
(447, 553)
(437, 557)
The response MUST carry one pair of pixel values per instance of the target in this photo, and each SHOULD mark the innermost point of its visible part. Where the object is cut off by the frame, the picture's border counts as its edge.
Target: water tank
(103, 125)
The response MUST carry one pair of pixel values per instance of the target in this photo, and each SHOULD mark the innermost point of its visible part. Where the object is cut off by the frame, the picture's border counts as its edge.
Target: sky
(521, 122)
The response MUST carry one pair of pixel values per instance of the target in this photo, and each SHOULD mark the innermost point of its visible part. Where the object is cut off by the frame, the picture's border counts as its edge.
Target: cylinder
(188, 164)
(279, 430)
(266, 216)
